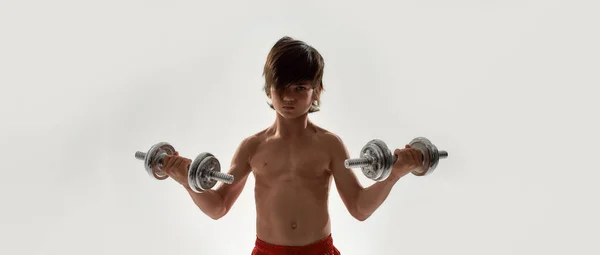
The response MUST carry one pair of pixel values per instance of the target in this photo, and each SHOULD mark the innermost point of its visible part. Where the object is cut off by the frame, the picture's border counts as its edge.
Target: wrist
(393, 178)
(396, 175)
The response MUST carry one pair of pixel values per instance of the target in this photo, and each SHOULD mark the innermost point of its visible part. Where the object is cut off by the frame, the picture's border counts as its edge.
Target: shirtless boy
(294, 162)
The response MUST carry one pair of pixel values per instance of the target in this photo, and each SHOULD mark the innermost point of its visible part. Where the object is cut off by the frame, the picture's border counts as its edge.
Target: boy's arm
(360, 202)
(216, 203)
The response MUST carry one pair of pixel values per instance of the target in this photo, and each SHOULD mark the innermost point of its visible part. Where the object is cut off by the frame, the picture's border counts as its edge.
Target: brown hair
(291, 61)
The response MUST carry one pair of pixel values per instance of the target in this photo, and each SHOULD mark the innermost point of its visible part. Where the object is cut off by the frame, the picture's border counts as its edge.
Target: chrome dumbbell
(203, 173)
(376, 159)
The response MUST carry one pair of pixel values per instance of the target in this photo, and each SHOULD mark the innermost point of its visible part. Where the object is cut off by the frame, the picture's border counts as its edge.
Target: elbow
(361, 217)
(220, 209)
(216, 216)
(358, 210)
(219, 213)
(359, 214)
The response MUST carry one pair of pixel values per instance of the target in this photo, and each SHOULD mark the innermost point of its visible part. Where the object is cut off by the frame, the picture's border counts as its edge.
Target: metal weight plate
(374, 153)
(430, 155)
(387, 160)
(198, 177)
(378, 151)
(153, 160)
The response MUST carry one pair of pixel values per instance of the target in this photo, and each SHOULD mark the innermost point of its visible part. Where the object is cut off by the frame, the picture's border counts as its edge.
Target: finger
(408, 157)
(165, 164)
(417, 156)
(181, 163)
(420, 156)
(165, 161)
(398, 153)
(176, 153)
(404, 158)
(173, 160)
(177, 163)
(412, 153)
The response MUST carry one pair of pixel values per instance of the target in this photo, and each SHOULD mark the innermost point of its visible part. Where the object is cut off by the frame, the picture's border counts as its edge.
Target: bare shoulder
(247, 147)
(333, 142)
(253, 140)
(335, 149)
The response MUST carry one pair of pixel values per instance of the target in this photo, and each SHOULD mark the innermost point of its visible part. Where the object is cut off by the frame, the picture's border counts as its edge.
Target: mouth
(288, 107)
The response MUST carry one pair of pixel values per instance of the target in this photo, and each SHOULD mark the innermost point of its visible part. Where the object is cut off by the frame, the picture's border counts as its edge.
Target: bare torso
(292, 187)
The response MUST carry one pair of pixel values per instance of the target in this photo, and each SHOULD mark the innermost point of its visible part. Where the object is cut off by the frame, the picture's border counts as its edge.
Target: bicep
(240, 169)
(346, 181)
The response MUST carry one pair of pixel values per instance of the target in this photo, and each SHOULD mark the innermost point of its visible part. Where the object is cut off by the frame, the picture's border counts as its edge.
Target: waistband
(322, 245)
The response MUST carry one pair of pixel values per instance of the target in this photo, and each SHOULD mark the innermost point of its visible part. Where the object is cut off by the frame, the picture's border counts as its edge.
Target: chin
(290, 114)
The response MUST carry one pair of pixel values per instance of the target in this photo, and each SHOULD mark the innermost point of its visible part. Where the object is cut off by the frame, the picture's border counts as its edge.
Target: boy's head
(294, 76)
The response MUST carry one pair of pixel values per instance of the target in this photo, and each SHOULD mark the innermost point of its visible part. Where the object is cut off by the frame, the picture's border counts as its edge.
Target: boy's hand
(408, 159)
(177, 168)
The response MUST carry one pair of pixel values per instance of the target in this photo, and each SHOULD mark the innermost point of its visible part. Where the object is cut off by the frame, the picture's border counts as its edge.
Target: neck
(289, 128)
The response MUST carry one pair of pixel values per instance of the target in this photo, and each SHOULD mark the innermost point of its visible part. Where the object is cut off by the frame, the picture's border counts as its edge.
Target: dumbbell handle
(222, 177)
(140, 155)
(367, 161)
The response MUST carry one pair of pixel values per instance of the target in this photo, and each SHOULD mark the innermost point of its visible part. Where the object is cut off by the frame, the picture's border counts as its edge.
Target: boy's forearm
(370, 198)
(210, 203)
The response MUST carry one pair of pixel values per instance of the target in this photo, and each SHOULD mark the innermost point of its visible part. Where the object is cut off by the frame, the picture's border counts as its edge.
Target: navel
(294, 225)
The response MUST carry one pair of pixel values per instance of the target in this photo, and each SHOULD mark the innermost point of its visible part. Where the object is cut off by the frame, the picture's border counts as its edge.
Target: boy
(294, 162)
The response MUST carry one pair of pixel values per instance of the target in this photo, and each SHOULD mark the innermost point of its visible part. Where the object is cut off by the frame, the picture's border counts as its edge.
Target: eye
(303, 88)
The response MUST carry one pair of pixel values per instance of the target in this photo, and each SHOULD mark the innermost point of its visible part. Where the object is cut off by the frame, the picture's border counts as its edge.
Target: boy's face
(295, 100)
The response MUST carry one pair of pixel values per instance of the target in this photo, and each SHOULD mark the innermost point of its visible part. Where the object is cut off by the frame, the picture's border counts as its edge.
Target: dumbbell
(376, 159)
(203, 173)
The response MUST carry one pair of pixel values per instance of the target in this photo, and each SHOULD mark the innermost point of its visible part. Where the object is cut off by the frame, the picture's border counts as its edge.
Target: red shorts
(321, 247)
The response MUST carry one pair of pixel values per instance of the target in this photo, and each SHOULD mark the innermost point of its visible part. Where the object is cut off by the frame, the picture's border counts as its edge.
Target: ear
(317, 93)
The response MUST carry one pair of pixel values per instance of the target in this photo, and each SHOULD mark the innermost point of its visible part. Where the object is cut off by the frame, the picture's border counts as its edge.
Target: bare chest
(279, 159)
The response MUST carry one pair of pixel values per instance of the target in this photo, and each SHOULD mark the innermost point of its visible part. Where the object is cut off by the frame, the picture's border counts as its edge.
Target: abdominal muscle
(292, 212)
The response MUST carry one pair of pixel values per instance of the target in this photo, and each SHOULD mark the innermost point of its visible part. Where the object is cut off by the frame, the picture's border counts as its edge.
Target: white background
(506, 87)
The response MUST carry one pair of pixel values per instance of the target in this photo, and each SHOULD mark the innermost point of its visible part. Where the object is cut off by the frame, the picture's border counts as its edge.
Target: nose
(287, 98)
(288, 101)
